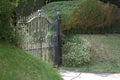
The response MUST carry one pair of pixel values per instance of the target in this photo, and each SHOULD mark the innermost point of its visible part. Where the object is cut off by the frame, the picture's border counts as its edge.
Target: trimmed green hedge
(76, 52)
(89, 14)
(93, 16)
(86, 16)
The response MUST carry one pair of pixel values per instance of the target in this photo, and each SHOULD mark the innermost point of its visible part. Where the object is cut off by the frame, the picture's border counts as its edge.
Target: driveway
(69, 75)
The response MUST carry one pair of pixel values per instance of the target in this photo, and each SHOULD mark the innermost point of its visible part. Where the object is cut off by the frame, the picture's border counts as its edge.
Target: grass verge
(19, 65)
(105, 54)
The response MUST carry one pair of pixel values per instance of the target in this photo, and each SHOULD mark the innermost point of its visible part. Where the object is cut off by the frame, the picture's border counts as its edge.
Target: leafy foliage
(93, 13)
(66, 7)
(87, 16)
(105, 56)
(27, 7)
(89, 13)
(6, 28)
(76, 52)
(116, 2)
(5, 14)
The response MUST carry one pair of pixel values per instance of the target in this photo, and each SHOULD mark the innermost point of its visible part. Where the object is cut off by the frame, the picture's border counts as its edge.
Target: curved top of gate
(38, 14)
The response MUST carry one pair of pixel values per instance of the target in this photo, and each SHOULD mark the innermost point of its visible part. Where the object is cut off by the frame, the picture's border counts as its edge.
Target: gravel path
(68, 75)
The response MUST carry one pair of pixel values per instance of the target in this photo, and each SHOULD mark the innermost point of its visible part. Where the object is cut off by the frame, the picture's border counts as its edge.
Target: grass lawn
(19, 65)
(105, 55)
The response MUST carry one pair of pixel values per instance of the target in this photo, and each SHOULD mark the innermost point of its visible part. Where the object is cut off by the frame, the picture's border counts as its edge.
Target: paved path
(67, 75)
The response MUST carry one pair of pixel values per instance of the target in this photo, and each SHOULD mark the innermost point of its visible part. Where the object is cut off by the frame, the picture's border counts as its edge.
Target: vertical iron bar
(58, 54)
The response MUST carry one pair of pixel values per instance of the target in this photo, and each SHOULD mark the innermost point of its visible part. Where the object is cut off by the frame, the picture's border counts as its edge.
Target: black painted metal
(58, 50)
(40, 37)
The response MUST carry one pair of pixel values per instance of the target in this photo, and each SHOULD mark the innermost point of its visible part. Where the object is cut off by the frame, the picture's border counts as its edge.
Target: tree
(116, 2)
(6, 13)
(27, 7)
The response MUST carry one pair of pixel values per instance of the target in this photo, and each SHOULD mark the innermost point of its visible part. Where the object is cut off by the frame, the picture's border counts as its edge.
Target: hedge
(92, 15)
(76, 52)
(86, 16)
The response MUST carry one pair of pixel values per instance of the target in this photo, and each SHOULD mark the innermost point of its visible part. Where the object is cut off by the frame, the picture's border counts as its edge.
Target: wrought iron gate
(38, 35)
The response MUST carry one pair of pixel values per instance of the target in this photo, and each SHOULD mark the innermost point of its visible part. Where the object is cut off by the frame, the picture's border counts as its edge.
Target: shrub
(66, 7)
(92, 14)
(86, 16)
(76, 52)
(89, 13)
(26, 7)
(6, 29)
